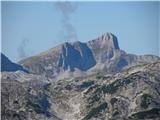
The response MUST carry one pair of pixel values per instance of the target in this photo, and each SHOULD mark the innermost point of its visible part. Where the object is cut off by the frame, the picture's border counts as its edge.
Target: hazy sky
(29, 28)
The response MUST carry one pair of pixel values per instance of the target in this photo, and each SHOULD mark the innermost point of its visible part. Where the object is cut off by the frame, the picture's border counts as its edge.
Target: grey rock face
(74, 59)
(77, 56)
(104, 47)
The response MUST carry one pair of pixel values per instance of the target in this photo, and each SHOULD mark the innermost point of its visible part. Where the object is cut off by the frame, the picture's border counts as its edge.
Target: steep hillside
(132, 94)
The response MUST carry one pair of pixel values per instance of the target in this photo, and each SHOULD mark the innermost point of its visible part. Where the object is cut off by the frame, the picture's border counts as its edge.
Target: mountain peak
(73, 59)
(107, 40)
(106, 36)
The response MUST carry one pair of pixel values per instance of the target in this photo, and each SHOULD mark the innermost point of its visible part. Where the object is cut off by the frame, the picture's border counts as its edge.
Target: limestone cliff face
(67, 60)
(77, 56)
(104, 47)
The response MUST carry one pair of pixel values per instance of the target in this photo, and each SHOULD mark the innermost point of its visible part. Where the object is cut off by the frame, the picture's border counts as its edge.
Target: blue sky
(33, 27)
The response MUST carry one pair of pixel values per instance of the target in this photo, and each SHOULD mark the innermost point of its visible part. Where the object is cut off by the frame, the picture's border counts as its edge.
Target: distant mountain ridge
(8, 65)
(67, 60)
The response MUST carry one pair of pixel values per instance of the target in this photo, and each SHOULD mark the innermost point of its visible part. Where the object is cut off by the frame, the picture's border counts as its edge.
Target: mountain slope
(102, 82)
(76, 59)
(8, 65)
(132, 94)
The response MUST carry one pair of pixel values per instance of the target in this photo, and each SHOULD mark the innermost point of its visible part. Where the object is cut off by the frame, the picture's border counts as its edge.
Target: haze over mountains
(82, 81)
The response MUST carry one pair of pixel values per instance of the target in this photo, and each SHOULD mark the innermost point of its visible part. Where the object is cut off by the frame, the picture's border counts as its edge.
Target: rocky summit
(78, 59)
(82, 81)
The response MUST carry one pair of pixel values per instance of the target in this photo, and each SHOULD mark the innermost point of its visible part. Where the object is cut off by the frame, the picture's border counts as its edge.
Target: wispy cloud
(68, 31)
(22, 49)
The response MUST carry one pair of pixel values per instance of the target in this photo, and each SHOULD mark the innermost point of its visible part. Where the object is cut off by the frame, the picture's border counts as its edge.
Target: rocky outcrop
(77, 56)
(23, 102)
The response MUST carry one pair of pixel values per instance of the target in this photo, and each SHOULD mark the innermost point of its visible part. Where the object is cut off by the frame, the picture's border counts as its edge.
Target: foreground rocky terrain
(132, 94)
